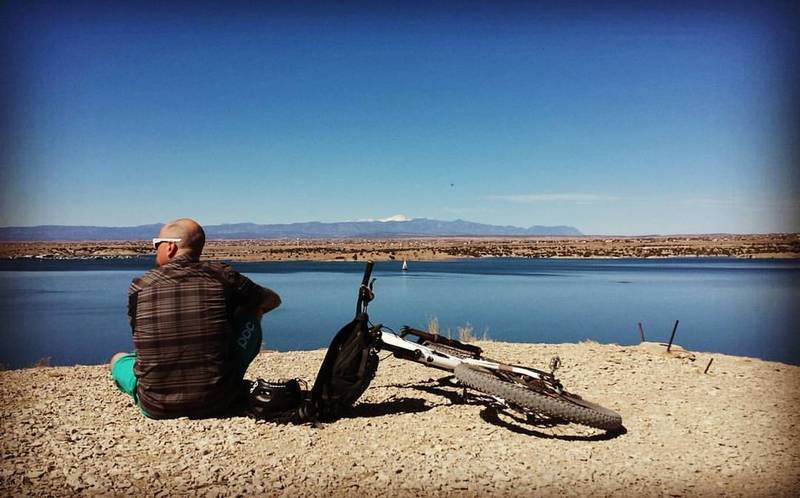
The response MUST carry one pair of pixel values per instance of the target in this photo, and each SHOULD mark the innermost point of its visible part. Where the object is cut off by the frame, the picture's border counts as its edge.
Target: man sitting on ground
(196, 328)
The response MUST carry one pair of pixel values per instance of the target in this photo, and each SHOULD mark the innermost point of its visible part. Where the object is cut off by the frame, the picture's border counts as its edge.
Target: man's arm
(252, 297)
(269, 301)
(133, 301)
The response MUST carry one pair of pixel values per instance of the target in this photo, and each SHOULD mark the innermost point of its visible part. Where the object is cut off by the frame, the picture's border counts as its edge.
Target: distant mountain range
(419, 227)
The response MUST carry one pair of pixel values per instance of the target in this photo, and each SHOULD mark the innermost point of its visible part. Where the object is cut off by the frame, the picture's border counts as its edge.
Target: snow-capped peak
(397, 217)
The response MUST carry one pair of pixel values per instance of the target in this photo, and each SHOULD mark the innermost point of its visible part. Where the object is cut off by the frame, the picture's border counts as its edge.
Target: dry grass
(466, 333)
(42, 362)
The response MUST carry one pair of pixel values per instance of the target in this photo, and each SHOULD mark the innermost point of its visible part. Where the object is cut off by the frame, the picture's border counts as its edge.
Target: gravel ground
(732, 431)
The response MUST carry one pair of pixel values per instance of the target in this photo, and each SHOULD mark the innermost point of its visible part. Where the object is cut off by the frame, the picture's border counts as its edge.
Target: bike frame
(407, 350)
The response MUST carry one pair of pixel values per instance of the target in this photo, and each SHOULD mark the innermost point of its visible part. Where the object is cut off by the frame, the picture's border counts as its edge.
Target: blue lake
(75, 311)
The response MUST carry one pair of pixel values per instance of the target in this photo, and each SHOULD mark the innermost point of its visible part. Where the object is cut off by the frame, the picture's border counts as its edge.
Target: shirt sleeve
(133, 298)
(246, 292)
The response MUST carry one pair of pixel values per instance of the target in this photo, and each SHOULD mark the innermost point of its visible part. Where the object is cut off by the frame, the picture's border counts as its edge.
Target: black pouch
(274, 398)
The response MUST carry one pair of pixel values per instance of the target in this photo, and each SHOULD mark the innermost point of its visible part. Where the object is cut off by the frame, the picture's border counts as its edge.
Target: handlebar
(367, 273)
(365, 291)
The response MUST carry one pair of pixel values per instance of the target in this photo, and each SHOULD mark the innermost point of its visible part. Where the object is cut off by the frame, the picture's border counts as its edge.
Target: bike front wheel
(561, 405)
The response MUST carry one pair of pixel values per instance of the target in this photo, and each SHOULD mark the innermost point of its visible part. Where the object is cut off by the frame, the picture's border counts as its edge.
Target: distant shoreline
(777, 256)
(777, 246)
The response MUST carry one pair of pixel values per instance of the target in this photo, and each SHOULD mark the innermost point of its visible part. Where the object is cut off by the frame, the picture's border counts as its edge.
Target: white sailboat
(405, 266)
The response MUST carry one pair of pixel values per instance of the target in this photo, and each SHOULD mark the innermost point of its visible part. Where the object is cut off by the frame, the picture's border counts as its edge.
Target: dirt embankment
(732, 431)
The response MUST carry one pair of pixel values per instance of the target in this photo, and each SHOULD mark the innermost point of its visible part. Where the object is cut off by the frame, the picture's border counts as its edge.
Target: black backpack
(349, 365)
(346, 372)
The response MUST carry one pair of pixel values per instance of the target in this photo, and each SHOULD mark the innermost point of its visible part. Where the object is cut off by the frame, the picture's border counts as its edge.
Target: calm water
(75, 312)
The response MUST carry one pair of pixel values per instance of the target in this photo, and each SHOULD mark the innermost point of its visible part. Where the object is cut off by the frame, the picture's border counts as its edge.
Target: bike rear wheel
(562, 405)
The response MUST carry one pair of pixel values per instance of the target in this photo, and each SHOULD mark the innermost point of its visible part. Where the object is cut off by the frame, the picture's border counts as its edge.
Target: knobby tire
(562, 406)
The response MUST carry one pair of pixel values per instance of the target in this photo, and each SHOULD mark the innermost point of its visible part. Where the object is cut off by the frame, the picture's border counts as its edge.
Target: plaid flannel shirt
(181, 315)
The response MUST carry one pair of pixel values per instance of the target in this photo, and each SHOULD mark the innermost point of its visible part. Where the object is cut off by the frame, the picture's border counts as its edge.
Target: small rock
(34, 474)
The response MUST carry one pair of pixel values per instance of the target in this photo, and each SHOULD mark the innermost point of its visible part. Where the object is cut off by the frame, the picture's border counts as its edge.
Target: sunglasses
(157, 241)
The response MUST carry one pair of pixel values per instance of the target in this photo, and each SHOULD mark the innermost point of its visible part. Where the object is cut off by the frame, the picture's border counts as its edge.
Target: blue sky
(615, 120)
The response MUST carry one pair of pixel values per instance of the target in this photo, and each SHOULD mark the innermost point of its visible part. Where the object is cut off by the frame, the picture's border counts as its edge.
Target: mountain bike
(352, 360)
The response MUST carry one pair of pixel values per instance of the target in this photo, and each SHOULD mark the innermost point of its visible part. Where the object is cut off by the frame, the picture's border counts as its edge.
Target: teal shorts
(244, 346)
(124, 378)
(122, 373)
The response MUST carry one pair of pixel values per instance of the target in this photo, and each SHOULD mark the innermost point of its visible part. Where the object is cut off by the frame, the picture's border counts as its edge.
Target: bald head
(192, 236)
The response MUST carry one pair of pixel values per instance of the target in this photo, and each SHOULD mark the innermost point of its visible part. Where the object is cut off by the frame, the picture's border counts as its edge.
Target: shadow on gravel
(529, 426)
(492, 415)
(446, 388)
(391, 406)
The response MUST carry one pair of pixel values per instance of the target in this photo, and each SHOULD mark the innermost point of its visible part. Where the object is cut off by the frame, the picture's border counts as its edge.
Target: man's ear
(173, 250)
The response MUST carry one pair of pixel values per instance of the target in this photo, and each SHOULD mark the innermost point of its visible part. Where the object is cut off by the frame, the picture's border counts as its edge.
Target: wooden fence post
(672, 337)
